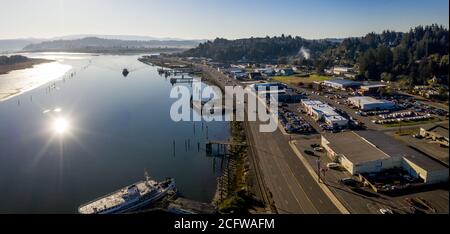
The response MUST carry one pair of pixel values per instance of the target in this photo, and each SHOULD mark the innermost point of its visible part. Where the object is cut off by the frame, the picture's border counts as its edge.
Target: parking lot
(428, 147)
(293, 122)
(421, 113)
(311, 126)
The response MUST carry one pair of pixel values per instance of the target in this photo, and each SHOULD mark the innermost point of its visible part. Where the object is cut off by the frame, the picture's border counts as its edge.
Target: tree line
(14, 59)
(258, 49)
(415, 57)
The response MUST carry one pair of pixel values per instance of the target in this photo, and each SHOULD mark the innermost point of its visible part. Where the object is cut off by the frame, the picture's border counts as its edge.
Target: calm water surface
(113, 129)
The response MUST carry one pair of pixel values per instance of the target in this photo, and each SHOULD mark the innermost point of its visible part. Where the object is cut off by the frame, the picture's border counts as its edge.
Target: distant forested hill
(416, 56)
(99, 44)
(260, 49)
(13, 45)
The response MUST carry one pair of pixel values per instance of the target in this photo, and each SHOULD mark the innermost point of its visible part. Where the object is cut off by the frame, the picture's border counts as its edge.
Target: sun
(60, 125)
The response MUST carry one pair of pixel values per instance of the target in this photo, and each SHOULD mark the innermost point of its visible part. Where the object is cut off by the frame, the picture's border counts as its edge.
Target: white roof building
(373, 86)
(340, 83)
(338, 70)
(369, 103)
(321, 111)
(373, 151)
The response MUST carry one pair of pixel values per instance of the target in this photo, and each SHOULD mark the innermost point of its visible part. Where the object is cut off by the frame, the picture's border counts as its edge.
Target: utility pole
(318, 171)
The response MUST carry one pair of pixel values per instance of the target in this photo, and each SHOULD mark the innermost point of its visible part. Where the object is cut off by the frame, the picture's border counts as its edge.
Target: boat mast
(147, 177)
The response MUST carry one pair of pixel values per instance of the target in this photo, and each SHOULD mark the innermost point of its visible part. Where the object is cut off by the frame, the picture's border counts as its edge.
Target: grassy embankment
(409, 123)
(407, 132)
(239, 199)
(298, 80)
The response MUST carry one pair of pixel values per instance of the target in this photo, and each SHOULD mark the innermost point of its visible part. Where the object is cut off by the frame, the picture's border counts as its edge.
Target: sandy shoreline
(28, 76)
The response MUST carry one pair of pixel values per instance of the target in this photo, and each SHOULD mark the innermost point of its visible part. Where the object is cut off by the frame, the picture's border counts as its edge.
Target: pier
(181, 80)
(186, 206)
(172, 71)
(221, 147)
(228, 165)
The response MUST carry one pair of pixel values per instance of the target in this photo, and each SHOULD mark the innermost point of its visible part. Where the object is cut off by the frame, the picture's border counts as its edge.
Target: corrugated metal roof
(354, 147)
(365, 146)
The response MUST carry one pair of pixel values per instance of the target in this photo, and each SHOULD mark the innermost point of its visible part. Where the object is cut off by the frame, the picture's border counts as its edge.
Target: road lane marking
(283, 177)
(266, 160)
(327, 191)
(296, 181)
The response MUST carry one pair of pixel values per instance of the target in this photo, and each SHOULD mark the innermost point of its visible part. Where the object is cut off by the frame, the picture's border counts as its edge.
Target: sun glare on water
(60, 125)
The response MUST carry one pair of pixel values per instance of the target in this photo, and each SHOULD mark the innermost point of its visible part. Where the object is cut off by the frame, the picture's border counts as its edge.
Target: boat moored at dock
(130, 198)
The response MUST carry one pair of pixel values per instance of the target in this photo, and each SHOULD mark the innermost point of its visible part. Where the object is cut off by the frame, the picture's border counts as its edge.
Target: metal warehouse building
(369, 103)
(342, 84)
(283, 93)
(371, 89)
(371, 151)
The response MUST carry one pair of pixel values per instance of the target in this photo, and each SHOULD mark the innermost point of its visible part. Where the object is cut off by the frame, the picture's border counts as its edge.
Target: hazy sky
(205, 19)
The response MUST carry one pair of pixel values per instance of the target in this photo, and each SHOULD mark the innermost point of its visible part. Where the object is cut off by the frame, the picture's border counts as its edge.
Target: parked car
(309, 152)
(386, 211)
(348, 181)
(318, 149)
(418, 136)
(333, 165)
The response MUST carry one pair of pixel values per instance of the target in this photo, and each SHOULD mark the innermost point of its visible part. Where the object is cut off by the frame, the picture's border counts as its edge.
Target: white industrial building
(267, 71)
(371, 152)
(324, 112)
(342, 84)
(369, 103)
(340, 71)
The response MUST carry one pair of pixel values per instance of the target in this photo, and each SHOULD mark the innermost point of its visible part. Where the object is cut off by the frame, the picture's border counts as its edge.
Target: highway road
(293, 189)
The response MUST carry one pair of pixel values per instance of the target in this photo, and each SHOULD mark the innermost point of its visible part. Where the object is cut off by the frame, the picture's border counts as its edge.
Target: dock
(222, 146)
(186, 206)
(181, 80)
